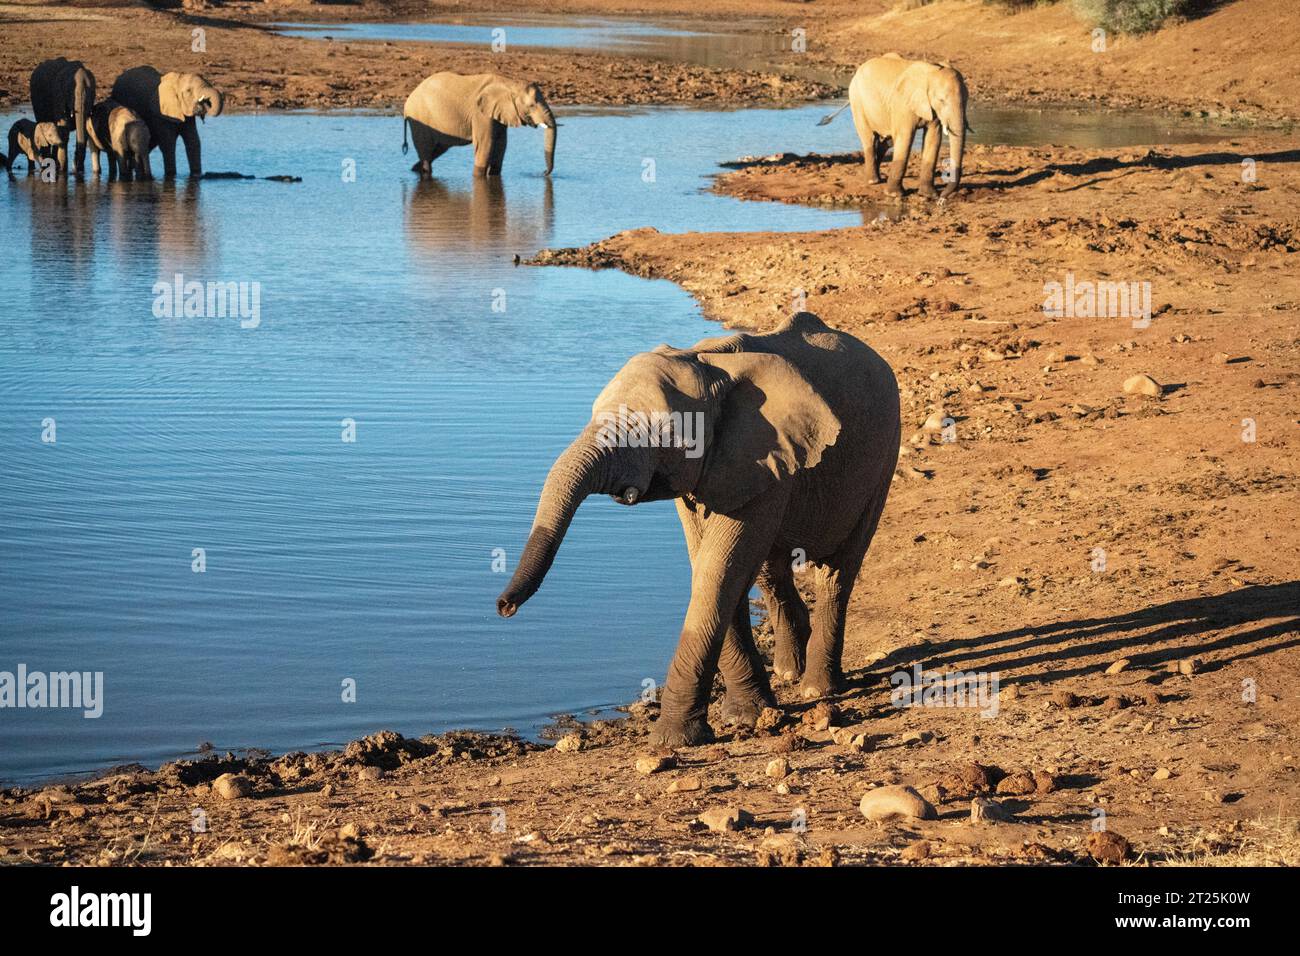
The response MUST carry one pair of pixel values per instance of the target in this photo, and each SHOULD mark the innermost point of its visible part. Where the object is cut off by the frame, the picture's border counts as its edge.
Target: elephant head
(182, 95)
(937, 91)
(520, 104)
(715, 424)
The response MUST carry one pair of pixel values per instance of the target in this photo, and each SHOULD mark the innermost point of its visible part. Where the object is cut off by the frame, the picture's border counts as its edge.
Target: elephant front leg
(748, 690)
(94, 162)
(730, 549)
(193, 148)
(902, 150)
(930, 159)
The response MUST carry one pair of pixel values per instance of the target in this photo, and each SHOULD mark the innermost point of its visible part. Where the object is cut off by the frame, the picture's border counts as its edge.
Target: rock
(655, 763)
(726, 819)
(568, 744)
(1162, 773)
(1221, 358)
(819, 717)
(935, 423)
(920, 850)
(778, 768)
(1017, 785)
(917, 737)
(1118, 666)
(349, 831)
(232, 786)
(1065, 699)
(886, 803)
(684, 785)
(1189, 666)
(1142, 385)
(768, 720)
(989, 811)
(1044, 782)
(1107, 847)
(370, 773)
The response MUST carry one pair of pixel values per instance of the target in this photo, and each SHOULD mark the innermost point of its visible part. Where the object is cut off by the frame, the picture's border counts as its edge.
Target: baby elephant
(121, 134)
(37, 141)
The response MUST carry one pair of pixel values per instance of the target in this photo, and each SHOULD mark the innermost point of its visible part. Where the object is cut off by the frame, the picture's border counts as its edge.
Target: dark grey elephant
(779, 450)
(63, 90)
(171, 104)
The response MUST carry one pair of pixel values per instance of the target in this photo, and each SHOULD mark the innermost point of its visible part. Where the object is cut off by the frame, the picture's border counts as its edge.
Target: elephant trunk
(956, 149)
(578, 472)
(549, 142)
(218, 101)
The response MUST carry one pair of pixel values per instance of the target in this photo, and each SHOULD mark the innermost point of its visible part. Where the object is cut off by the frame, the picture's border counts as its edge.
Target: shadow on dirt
(1260, 619)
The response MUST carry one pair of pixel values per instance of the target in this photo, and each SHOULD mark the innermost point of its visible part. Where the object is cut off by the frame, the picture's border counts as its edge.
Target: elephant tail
(406, 124)
(830, 116)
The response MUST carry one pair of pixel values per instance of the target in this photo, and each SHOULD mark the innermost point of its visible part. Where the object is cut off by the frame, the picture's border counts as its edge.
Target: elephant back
(52, 86)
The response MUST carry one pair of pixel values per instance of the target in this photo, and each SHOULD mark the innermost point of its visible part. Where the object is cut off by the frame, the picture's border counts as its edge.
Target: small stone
(1189, 666)
(370, 773)
(327, 790)
(1162, 773)
(726, 819)
(1221, 358)
(989, 811)
(920, 850)
(349, 831)
(1107, 847)
(1065, 699)
(1118, 666)
(886, 803)
(769, 719)
(819, 717)
(231, 786)
(655, 763)
(684, 785)
(568, 744)
(1017, 785)
(779, 768)
(1142, 385)
(936, 422)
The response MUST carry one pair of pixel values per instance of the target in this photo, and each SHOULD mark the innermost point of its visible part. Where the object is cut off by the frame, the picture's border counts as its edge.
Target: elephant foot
(670, 733)
(875, 180)
(742, 710)
(787, 664)
(928, 193)
(814, 686)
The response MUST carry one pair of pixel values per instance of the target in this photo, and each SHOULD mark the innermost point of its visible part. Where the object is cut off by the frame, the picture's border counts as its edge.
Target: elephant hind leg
(788, 615)
(870, 143)
(823, 672)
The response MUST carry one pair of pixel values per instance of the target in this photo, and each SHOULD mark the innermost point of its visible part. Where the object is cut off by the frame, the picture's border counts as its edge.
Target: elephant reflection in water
(444, 217)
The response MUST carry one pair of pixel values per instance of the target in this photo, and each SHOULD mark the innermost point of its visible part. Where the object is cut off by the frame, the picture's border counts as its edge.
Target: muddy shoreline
(1124, 563)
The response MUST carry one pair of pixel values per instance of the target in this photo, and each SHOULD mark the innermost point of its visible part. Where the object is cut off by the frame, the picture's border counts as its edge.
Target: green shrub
(1131, 16)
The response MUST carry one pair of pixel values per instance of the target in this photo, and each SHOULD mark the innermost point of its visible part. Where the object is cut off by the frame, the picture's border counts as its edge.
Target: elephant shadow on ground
(1021, 177)
(1234, 626)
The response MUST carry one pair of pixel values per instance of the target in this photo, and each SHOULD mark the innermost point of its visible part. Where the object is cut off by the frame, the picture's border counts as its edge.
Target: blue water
(328, 560)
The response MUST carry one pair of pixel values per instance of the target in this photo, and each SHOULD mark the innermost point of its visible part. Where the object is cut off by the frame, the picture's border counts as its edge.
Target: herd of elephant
(147, 109)
(799, 427)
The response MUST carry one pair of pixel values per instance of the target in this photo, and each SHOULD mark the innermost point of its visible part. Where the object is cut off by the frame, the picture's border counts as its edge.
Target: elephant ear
(913, 90)
(500, 102)
(772, 425)
(172, 97)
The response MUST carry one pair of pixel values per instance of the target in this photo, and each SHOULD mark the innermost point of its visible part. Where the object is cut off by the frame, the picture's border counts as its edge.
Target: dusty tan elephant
(63, 90)
(123, 136)
(779, 450)
(170, 104)
(889, 97)
(449, 109)
(37, 141)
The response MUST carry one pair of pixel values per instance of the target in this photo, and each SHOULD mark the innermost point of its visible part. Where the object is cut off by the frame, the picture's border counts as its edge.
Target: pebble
(654, 763)
(778, 768)
(231, 786)
(1107, 847)
(726, 819)
(1119, 666)
(989, 811)
(886, 803)
(684, 785)
(1142, 385)
(569, 743)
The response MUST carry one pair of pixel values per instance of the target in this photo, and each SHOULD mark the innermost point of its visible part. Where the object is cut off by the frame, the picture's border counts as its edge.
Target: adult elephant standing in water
(169, 104)
(449, 109)
(63, 90)
(779, 450)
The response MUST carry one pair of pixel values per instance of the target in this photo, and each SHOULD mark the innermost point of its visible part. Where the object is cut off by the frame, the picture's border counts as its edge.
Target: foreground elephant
(37, 141)
(448, 110)
(63, 90)
(121, 134)
(169, 104)
(779, 450)
(889, 97)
